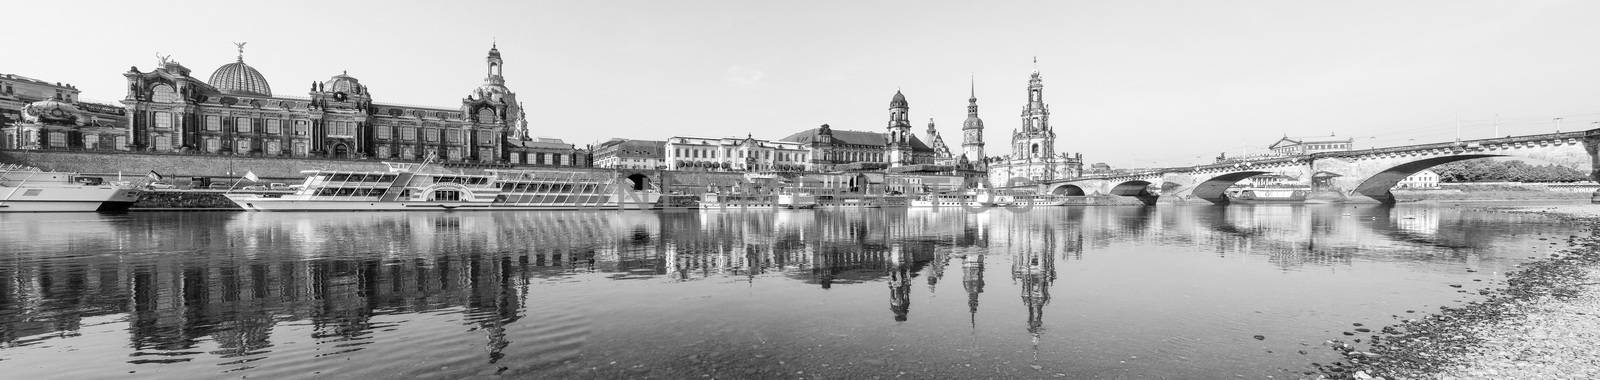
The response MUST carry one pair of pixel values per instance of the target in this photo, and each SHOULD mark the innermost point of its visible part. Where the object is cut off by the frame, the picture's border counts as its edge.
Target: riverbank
(1542, 325)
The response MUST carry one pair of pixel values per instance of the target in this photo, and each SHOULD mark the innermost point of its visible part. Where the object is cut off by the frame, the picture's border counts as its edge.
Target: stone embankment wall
(179, 165)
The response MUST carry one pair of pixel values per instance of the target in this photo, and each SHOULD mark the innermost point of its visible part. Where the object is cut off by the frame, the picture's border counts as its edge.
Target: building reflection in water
(233, 278)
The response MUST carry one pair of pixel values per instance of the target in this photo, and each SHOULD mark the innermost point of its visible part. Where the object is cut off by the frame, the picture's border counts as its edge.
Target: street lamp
(1558, 124)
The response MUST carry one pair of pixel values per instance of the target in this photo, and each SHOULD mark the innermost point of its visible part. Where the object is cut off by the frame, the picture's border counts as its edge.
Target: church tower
(1035, 144)
(899, 144)
(972, 134)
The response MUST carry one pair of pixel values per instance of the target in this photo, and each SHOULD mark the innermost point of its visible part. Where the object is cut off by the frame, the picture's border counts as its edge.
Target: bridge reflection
(186, 277)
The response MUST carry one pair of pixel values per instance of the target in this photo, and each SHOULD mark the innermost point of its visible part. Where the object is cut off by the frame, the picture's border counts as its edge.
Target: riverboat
(402, 187)
(718, 201)
(967, 199)
(27, 189)
(1031, 200)
(797, 200)
(1269, 194)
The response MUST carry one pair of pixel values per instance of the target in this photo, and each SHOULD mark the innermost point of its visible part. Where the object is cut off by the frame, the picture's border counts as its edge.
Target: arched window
(1035, 148)
(162, 93)
(487, 115)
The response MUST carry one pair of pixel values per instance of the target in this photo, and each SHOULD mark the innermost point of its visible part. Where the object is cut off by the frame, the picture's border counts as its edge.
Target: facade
(733, 153)
(1308, 145)
(630, 154)
(896, 147)
(237, 113)
(64, 125)
(1033, 154)
(17, 91)
(1425, 179)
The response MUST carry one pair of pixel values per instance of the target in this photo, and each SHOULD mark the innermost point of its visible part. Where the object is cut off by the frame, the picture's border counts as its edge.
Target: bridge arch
(638, 181)
(1215, 189)
(1068, 190)
(1377, 186)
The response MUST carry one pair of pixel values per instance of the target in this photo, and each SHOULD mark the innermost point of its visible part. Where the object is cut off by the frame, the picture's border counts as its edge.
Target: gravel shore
(1544, 325)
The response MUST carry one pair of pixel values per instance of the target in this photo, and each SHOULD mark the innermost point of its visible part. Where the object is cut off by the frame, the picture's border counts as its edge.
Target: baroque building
(235, 112)
(896, 147)
(972, 135)
(1033, 152)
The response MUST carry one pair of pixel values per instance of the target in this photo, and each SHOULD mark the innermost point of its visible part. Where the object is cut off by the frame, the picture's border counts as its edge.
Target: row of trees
(1506, 171)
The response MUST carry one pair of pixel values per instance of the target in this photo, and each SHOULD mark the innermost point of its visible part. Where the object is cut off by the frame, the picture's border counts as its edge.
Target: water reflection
(225, 287)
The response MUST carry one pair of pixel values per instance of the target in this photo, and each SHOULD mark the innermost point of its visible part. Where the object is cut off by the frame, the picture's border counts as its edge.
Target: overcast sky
(1130, 83)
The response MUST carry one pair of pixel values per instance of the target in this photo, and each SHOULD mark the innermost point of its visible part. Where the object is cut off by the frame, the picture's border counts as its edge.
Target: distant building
(1425, 179)
(63, 125)
(1308, 145)
(17, 91)
(896, 147)
(236, 112)
(734, 154)
(630, 154)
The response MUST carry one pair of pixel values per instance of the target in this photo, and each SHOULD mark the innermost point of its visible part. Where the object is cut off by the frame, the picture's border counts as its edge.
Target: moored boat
(1269, 194)
(26, 189)
(797, 200)
(402, 188)
(966, 199)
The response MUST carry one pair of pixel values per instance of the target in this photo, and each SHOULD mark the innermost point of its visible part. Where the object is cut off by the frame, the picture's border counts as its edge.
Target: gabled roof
(1286, 140)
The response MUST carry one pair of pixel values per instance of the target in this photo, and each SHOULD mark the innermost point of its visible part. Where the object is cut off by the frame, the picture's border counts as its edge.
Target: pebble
(1260, 337)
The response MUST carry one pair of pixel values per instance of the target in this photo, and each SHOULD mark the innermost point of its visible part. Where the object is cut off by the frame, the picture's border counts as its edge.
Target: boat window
(340, 177)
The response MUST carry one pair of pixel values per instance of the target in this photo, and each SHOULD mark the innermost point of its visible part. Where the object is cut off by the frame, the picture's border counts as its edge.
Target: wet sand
(1544, 324)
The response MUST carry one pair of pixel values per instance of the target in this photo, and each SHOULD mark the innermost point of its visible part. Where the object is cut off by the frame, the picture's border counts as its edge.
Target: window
(486, 137)
(162, 93)
(430, 135)
(407, 152)
(383, 151)
(302, 128)
(242, 146)
(212, 145)
(242, 124)
(452, 136)
(91, 141)
(58, 139)
(299, 148)
(408, 134)
(162, 143)
(213, 123)
(119, 143)
(273, 148)
(163, 120)
(486, 154)
(273, 126)
(455, 154)
(381, 131)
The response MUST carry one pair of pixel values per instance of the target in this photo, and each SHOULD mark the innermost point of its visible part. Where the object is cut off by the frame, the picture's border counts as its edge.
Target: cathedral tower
(899, 144)
(972, 134)
(1036, 142)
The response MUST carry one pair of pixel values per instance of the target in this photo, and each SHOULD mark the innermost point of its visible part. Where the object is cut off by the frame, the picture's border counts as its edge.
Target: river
(1079, 292)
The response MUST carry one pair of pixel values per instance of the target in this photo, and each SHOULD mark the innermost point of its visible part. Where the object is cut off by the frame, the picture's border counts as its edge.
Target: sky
(1129, 83)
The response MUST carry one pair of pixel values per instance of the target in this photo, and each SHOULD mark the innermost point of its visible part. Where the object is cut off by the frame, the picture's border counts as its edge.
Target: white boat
(716, 201)
(967, 199)
(25, 189)
(1281, 194)
(797, 200)
(1030, 200)
(401, 188)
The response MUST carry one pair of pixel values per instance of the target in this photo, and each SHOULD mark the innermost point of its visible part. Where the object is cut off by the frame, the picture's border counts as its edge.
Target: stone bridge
(1336, 176)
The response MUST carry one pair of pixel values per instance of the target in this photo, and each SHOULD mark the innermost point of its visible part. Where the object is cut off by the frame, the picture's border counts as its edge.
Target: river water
(1096, 292)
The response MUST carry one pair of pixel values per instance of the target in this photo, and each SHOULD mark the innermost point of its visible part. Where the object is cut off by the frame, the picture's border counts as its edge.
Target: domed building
(238, 78)
(236, 113)
(60, 124)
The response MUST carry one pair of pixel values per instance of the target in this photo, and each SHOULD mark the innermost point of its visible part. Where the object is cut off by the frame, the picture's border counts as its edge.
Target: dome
(52, 111)
(342, 83)
(492, 92)
(238, 78)
(899, 101)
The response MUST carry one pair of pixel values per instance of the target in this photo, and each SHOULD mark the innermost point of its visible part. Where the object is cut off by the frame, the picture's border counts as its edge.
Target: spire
(972, 88)
(241, 50)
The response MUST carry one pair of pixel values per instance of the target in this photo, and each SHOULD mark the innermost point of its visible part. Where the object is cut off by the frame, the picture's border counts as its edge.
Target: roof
(855, 138)
(238, 78)
(1286, 140)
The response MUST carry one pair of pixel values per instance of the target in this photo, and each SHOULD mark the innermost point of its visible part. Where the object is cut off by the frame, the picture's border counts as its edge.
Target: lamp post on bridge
(1558, 124)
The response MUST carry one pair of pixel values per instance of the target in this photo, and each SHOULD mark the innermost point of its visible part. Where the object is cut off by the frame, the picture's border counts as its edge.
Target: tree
(1483, 170)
